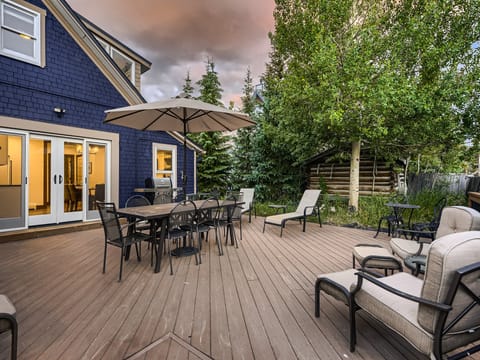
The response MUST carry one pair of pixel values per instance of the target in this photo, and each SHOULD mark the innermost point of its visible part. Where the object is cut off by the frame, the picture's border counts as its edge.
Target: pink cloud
(178, 35)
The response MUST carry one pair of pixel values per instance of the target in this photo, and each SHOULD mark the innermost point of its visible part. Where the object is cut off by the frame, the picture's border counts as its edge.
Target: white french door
(56, 180)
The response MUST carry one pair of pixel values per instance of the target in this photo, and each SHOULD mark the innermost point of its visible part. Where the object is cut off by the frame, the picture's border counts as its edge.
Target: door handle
(60, 179)
(55, 179)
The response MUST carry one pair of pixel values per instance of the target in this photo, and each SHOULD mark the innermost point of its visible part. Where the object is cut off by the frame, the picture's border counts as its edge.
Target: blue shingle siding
(70, 80)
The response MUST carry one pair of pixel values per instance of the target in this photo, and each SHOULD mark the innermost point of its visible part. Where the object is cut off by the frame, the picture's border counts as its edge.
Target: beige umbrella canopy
(179, 114)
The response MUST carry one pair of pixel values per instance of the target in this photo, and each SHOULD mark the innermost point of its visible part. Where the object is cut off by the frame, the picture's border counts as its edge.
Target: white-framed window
(125, 64)
(165, 161)
(22, 31)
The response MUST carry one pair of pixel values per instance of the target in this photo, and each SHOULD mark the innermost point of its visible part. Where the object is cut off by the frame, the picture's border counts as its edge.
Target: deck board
(255, 302)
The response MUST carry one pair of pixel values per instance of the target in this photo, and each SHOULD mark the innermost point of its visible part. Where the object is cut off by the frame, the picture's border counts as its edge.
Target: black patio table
(398, 208)
(158, 214)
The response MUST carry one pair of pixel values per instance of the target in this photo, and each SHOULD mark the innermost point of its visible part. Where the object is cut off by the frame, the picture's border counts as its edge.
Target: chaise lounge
(307, 206)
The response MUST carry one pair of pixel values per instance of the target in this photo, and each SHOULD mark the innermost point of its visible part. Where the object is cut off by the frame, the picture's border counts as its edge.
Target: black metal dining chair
(117, 235)
(181, 224)
(227, 214)
(142, 225)
(206, 220)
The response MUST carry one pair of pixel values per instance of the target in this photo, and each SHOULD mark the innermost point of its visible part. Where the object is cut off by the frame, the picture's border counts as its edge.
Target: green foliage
(215, 165)
(243, 149)
(210, 88)
(402, 77)
(187, 86)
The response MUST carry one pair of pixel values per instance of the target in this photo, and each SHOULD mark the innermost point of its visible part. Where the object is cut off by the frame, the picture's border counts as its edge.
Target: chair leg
(105, 258)
(378, 228)
(170, 256)
(241, 228)
(304, 223)
(121, 264)
(353, 332)
(317, 298)
(138, 251)
(13, 350)
(219, 243)
(199, 243)
(263, 226)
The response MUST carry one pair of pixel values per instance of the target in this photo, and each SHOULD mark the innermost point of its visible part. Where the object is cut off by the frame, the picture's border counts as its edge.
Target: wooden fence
(452, 183)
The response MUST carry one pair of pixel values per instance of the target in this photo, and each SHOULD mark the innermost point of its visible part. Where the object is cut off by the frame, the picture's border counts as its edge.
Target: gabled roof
(74, 25)
(145, 64)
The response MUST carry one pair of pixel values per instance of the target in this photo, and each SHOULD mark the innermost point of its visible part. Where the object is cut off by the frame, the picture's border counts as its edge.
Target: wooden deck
(255, 302)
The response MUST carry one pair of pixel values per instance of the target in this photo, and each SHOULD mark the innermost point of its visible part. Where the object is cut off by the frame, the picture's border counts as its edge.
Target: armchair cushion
(396, 312)
(448, 255)
(454, 219)
(6, 307)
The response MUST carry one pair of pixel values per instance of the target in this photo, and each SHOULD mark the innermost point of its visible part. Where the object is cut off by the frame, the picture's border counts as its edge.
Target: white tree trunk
(354, 176)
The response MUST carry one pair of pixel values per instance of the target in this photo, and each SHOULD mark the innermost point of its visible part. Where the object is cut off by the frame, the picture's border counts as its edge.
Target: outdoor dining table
(398, 208)
(158, 215)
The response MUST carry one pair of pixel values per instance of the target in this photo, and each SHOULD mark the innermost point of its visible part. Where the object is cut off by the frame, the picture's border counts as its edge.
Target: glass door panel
(54, 194)
(96, 166)
(39, 184)
(12, 173)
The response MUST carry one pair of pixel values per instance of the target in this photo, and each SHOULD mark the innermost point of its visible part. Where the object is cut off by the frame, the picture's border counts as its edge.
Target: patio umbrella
(178, 114)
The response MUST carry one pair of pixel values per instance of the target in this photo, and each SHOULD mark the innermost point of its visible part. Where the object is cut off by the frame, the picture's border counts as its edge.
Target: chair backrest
(248, 195)
(110, 221)
(207, 211)
(437, 213)
(137, 200)
(309, 198)
(100, 192)
(238, 197)
(182, 215)
(446, 255)
(457, 219)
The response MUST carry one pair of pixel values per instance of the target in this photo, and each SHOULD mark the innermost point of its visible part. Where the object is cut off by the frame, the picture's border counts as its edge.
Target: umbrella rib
(122, 116)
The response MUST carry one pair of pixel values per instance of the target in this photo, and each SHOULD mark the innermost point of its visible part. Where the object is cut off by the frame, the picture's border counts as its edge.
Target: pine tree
(215, 165)
(243, 150)
(187, 87)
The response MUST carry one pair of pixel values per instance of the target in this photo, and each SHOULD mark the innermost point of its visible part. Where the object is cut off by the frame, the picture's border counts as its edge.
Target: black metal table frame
(398, 218)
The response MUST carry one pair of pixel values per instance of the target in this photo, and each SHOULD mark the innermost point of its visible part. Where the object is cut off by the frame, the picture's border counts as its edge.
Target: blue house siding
(70, 80)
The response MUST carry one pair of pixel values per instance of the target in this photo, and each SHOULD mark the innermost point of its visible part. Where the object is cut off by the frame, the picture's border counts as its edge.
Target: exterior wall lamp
(59, 111)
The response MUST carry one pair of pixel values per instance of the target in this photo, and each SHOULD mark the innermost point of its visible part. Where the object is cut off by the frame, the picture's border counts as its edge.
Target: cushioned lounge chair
(307, 206)
(453, 219)
(436, 315)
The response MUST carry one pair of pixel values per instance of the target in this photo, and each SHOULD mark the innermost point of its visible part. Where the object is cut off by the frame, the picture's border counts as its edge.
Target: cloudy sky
(178, 36)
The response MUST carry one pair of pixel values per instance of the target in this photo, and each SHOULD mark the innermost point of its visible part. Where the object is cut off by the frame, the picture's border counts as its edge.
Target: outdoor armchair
(436, 315)
(307, 206)
(453, 219)
(8, 322)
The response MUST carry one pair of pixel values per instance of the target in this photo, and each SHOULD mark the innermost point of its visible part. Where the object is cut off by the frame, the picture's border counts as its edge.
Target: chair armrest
(417, 235)
(433, 304)
(310, 207)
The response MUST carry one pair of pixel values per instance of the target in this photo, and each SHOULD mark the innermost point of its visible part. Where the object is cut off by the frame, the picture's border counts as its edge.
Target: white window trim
(173, 149)
(110, 49)
(38, 36)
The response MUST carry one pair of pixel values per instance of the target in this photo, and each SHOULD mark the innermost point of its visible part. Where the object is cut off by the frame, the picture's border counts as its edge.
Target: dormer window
(123, 62)
(21, 31)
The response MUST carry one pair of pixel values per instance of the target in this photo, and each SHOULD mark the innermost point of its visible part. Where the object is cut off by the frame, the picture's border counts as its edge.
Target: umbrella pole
(184, 173)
